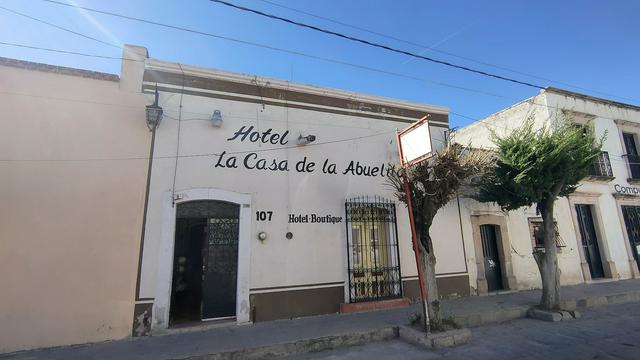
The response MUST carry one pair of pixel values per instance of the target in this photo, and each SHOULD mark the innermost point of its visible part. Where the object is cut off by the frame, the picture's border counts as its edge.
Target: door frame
(627, 200)
(504, 251)
(164, 277)
(608, 265)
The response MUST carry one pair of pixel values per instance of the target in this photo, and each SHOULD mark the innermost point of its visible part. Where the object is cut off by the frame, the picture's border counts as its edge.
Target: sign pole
(414, 237)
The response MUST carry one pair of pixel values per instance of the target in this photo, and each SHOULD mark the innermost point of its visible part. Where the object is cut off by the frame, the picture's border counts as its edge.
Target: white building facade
(269, 200)
(598, 226)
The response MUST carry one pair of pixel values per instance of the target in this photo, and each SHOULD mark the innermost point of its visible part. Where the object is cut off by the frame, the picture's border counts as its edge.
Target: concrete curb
(519, 312)
(304, 346)
(435, 340)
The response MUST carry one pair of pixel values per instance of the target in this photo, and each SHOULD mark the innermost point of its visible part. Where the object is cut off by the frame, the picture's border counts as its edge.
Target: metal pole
(416, 251)
(414, 238)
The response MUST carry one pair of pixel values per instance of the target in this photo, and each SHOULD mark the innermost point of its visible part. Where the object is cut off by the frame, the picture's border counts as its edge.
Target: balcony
(600, 169)
(633, 163)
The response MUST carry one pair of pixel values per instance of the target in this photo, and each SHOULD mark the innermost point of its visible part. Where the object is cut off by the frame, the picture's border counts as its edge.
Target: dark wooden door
(220, 268)
(492, 268)
(632, 222)
(589, 240)
(186, 289)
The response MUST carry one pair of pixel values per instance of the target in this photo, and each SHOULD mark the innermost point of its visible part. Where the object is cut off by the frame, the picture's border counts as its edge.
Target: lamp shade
(154, 115)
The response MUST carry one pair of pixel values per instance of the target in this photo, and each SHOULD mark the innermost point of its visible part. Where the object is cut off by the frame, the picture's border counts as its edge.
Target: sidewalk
(312, 331)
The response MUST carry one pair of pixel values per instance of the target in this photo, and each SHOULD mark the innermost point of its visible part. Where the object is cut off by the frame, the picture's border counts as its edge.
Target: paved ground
(250, 336)
(604, 332)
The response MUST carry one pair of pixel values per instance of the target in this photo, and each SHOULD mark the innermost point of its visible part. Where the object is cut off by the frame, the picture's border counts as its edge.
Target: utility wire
(239, 41)
(68, 52)
(248, 43)
(204, 154)
(431, 48)
(264, 46)
(377, 45)
(312, 56)
(299, 24)
(60, 27)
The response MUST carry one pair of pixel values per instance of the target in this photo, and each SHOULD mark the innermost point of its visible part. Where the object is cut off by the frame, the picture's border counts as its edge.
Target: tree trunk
(548, 260)
(428, 263)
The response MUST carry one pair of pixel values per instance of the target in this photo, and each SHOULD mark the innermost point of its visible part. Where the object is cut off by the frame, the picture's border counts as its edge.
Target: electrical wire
(299, 24)
(374, 44)
(68, 52)
(431, 48)
(202, 33)
(476, 120)
(60, 27)
(297, 53)
(254, 44)
(246, 43)
(204, 154)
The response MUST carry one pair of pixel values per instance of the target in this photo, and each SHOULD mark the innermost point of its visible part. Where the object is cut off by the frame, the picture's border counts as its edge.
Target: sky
(585, 46)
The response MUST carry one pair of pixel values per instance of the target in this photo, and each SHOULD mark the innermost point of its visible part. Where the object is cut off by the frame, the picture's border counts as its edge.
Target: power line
(207, 119)
(377, 45)
(203, 154)
(59, 27)
(244, 42)
(312, 56)
(68, 52)
(299, 24)
(431, 48)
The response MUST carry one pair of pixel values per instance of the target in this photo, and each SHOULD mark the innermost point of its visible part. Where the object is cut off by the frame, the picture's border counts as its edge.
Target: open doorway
(205, 264)
(492, 265)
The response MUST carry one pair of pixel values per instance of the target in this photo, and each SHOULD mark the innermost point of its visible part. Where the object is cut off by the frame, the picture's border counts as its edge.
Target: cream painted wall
(69, 230)
(317, 252)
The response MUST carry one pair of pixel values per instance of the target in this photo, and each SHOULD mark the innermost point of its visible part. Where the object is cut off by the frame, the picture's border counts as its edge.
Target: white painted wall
(317, 252)
(608, 119)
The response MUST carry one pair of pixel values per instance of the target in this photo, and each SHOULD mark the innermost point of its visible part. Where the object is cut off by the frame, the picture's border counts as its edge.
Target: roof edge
(55, 69)
(155, 64)
(591, 98)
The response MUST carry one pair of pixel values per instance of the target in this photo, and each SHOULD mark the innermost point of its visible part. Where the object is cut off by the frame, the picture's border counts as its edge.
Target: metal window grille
(372, 248)
(535, 229)
(601, 166)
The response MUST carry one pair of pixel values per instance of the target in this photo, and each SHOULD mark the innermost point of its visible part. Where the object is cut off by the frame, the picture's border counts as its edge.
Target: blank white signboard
(416, 143)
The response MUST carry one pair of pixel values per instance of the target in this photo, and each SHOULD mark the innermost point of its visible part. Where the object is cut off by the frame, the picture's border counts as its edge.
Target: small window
(535, 229)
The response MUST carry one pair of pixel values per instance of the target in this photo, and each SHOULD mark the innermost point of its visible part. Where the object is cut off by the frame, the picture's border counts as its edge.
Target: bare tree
(433, 183)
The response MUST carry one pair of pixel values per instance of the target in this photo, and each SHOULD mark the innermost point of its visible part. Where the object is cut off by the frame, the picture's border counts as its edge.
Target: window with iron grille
(535, 229)
(372, 249)
(601, 166)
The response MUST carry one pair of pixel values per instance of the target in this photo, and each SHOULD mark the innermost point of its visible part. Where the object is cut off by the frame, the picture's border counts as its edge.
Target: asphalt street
(605, 332)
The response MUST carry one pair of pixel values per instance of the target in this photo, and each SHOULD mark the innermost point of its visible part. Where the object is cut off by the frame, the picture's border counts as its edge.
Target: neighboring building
(73, 171)
(277, 204)
(598, 226)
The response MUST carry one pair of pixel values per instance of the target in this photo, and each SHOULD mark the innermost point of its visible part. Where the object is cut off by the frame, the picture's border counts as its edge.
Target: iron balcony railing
(601, 166)
(633, 162)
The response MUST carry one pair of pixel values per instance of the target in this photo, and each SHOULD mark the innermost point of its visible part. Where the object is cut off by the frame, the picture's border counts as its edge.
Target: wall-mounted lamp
(216, 118)
(154, 113)
(262, 236)
(304, 140)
